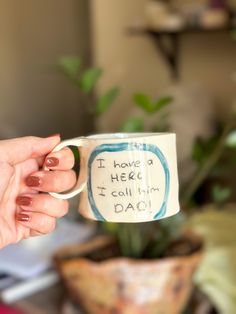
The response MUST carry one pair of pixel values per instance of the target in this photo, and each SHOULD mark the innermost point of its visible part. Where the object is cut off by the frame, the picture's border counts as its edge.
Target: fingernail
(22, 217)
(52, 162)
(24, 201)
(33, 181)
(54, 135)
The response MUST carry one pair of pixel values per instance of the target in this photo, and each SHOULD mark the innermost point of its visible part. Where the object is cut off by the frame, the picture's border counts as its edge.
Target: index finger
(17, 150)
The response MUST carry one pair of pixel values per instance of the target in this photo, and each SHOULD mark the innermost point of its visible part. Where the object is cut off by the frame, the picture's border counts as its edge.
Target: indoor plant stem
(201, 174)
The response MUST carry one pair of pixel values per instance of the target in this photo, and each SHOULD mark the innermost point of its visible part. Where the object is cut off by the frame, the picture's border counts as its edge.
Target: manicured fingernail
(52, 162)
(33, 181)
(24, 201)
(22, 217)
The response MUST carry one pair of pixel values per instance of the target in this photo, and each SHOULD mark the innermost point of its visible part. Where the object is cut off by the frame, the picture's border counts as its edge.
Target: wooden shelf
(168, 45)
(187, 29)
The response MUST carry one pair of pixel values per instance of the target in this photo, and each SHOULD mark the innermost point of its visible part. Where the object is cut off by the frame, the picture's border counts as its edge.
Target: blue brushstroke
(118, 147)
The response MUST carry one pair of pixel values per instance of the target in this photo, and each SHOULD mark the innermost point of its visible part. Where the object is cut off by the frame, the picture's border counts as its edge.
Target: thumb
(20, 149)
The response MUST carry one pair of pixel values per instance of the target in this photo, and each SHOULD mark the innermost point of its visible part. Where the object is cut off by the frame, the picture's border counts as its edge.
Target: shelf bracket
(168, 45)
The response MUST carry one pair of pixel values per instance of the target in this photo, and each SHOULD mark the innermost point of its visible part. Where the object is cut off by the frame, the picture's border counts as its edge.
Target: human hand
(23, 211)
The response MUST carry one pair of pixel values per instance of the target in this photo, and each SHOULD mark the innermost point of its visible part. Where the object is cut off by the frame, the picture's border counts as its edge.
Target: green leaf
(142, 101)
(231, 140)
(220, 194)
(70, 66)
(89, 79)
(133, 125)
(162, 102)
(106, 100)
(148, 106)
(131, 239)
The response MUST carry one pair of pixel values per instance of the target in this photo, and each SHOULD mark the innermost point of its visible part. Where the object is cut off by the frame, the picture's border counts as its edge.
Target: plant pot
(123, 285)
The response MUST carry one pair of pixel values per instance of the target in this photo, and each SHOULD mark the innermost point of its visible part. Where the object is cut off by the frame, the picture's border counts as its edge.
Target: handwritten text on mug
(124, 181)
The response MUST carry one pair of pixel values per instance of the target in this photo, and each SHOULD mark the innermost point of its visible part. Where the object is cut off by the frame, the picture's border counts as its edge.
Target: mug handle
(79, 142)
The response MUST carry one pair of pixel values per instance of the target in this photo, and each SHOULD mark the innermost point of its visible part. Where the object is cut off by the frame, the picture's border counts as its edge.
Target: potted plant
(137, 268)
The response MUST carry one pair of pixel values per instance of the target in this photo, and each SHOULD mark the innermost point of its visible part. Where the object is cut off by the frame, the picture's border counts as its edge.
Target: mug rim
(126, 135)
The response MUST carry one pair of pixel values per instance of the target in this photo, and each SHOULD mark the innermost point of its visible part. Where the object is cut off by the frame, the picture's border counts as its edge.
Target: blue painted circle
(118, 147)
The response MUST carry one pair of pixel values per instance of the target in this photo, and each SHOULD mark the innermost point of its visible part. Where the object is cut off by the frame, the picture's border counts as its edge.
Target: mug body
(130, 177)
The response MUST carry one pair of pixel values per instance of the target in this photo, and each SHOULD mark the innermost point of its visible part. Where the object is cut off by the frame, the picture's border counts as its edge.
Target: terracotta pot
(127, 286)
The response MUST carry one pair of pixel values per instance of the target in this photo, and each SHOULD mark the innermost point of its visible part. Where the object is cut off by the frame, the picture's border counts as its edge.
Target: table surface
(50, 301)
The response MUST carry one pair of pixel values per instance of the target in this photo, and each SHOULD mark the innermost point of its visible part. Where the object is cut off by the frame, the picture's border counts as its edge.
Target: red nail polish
(33, 181)
(24, 201)
(22, 217)
(52, 162)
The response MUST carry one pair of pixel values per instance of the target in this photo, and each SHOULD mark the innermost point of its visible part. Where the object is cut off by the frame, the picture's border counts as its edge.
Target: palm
(12, 185)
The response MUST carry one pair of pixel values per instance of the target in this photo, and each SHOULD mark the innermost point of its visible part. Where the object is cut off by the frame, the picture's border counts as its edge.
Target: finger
(26, 168)
(51, 181)
(61, 160)
(20, 149)
(34, 233)
(43, 203)
(38, 222)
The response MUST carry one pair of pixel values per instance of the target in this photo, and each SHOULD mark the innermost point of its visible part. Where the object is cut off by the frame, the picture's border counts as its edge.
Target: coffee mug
(126, 177)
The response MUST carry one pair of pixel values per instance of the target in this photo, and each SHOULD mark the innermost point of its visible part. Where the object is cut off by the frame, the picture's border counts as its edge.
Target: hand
(23, 211)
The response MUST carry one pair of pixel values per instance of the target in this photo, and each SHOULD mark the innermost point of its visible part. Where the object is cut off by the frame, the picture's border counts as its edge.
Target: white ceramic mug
(126, 177)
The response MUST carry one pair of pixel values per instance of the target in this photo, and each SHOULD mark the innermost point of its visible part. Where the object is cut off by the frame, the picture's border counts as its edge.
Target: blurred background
(79, 67)
(35, 35)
